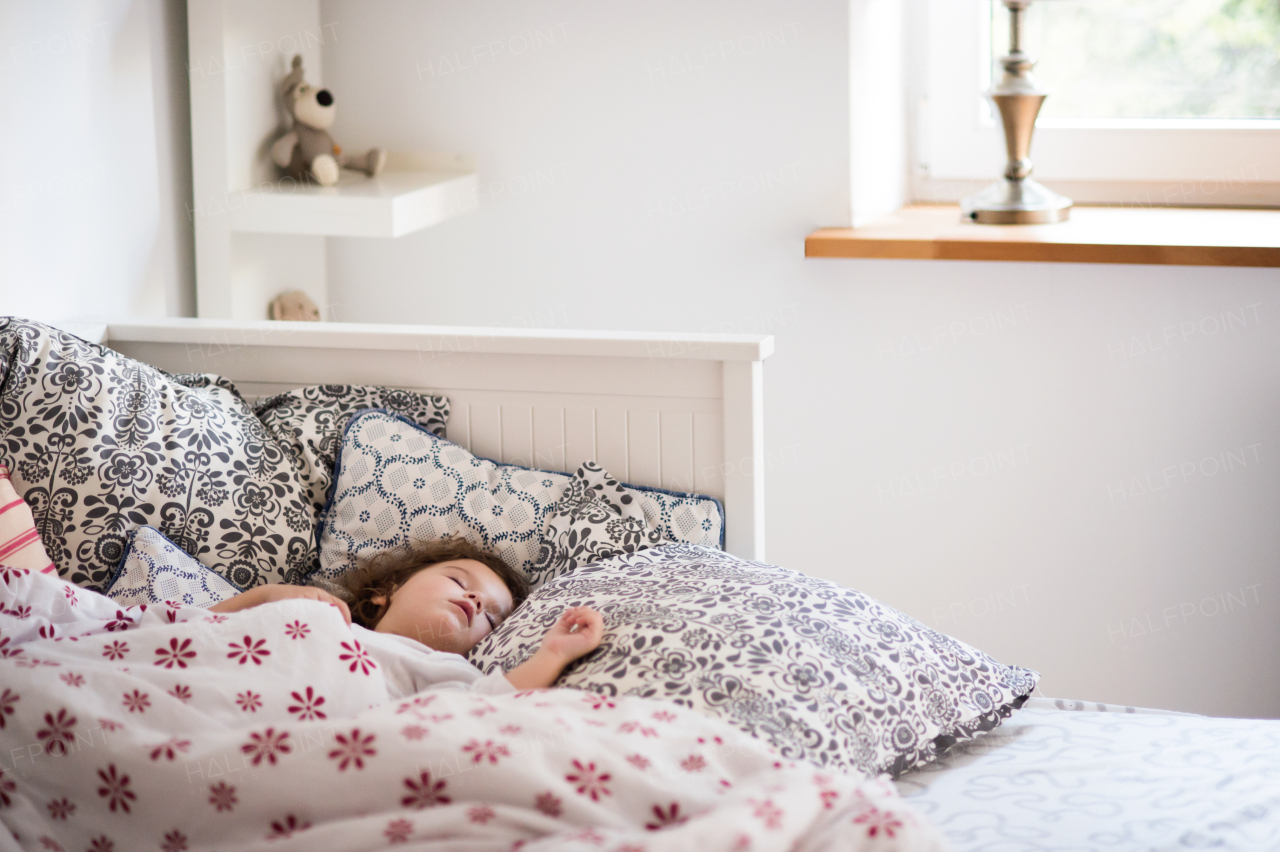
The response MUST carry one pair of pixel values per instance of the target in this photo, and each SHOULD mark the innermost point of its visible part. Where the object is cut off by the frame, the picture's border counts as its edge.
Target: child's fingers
(582, 620)
(572, 619)
(332, 600)
(342, 608)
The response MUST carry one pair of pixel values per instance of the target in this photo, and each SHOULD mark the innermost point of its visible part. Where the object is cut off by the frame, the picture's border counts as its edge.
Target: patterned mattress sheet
(1066, 775)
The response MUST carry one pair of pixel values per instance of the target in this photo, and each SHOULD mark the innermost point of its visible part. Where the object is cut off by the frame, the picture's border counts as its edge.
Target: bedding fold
(278, 728)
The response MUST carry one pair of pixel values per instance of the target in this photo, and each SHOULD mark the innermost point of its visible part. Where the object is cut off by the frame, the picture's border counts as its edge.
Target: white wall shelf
(391, 205)
(258, 235)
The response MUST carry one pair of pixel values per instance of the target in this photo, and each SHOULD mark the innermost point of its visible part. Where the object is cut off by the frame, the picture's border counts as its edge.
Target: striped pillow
(20, 545)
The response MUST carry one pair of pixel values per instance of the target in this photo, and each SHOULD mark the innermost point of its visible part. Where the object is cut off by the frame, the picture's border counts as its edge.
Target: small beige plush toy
(308, 151)
(296, 306)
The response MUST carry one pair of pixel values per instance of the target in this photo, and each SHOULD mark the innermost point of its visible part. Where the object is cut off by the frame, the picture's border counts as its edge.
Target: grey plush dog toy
(308, 151)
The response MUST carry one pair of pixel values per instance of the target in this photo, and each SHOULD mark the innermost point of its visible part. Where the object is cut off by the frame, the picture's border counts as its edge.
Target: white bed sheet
(1066, 775)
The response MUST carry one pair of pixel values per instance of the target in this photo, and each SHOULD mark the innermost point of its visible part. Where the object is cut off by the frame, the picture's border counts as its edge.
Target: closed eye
(492, 623)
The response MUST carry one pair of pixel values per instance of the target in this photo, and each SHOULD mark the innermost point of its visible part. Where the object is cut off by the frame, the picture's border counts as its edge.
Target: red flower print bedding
(273, 728)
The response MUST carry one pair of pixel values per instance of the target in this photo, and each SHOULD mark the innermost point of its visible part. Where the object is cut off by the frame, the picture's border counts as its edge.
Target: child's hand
(578, 632)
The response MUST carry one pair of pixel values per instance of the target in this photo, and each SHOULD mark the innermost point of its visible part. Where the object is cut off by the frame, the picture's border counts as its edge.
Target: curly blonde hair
(389, 571)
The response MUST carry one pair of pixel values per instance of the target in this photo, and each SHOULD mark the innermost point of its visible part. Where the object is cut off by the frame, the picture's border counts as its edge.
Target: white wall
(96, 147)
(969, 442)
(1071, 467)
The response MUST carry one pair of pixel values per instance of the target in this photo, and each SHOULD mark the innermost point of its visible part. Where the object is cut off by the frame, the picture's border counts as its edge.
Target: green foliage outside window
(1152, 58)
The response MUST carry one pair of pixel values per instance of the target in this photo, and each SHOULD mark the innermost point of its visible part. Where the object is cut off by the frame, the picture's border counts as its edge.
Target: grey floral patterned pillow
(596, 518)
(99, 444)
(819, 671)
(309, 423)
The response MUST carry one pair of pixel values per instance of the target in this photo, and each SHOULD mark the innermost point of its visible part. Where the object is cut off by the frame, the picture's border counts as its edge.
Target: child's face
(449, 606)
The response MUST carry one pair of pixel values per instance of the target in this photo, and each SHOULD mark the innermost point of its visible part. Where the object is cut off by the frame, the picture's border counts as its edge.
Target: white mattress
(1065, 775)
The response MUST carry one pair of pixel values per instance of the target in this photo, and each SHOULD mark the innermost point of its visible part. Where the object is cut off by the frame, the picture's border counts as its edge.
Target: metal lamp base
(1016, 202)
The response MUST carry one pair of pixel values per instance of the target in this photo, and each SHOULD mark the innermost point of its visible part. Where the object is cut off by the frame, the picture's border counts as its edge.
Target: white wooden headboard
(678, 411)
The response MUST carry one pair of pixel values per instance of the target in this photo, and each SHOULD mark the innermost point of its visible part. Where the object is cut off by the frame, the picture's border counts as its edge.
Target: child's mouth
(466, 609)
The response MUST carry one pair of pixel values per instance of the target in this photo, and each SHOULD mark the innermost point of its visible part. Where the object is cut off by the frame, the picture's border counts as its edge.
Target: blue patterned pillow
(309, 422)
(680, 516)
(155, 570)
(396, 482)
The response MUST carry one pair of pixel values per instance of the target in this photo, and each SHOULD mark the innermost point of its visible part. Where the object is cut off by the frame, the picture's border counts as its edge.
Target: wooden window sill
(1175, 236)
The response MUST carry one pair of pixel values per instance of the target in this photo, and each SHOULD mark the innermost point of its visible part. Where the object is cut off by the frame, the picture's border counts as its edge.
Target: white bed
(1066, 775)
(678, 411)
(685, 412)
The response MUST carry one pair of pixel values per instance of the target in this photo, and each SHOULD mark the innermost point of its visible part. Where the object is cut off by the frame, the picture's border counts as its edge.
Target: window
(1152, 101)
(1132, 59)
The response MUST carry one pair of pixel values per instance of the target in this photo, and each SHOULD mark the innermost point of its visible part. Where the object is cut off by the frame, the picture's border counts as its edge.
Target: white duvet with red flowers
(173, 728)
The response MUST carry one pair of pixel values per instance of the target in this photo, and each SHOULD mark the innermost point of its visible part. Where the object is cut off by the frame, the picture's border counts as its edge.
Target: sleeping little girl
(418, 612)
